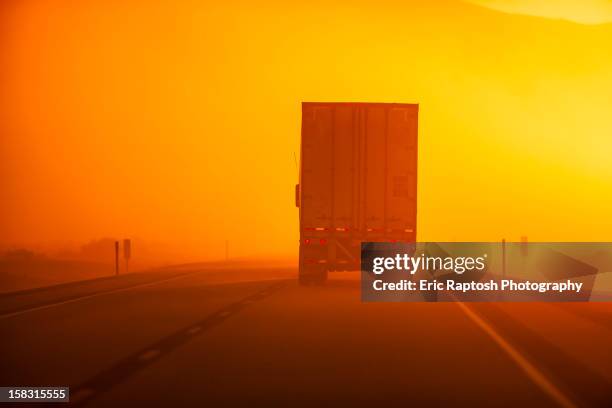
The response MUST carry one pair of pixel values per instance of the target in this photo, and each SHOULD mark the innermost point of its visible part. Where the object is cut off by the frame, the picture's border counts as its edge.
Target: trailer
(358, 182)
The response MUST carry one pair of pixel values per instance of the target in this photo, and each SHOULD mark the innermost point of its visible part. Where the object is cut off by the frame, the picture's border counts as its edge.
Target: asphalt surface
(242, 335)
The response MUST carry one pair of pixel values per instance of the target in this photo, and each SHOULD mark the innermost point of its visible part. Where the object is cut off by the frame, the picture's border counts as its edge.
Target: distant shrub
(21, 254)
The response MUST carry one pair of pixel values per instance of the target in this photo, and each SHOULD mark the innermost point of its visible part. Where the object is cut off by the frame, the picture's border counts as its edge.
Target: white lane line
(194, 330)
(93, 295)
(224, 314)
(149, 355)
(530, 370)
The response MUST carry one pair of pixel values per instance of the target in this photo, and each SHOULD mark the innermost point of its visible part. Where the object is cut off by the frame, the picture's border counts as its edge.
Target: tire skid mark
(122, 370)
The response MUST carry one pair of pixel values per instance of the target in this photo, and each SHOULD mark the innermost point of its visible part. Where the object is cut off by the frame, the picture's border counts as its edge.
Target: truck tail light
(315, 261)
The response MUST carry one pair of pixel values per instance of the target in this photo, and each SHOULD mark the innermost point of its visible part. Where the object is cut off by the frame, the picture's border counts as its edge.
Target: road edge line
(92, 295)
(530, 370)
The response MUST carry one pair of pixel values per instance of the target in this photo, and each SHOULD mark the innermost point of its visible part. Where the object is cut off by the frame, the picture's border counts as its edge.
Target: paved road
(241, 335)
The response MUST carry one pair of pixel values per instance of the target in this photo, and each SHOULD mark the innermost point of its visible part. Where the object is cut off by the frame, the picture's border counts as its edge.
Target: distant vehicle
(358, 182)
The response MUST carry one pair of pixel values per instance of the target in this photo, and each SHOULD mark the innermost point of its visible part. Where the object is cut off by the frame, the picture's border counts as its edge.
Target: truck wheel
(312, 275)
(320, 277)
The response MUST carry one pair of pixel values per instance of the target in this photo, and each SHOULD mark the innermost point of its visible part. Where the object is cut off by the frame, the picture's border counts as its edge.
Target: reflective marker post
(127, 252)
(116, 257)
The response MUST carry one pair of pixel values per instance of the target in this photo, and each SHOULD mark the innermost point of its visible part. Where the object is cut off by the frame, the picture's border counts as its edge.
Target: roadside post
(503, 258)
(127, 252)
(116, 257)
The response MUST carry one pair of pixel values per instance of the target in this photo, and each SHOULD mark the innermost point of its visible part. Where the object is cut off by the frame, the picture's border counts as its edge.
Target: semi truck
(357, 182)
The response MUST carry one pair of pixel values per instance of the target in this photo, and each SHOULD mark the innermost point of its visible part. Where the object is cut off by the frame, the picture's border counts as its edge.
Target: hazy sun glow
(177, 122)
(581, 11)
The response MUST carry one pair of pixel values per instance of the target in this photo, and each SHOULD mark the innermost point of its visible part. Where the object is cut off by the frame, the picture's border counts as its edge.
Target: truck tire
(312, 274)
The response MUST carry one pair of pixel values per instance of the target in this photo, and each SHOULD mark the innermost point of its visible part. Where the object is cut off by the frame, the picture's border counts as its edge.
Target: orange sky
(177, 122)
(581, 11)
